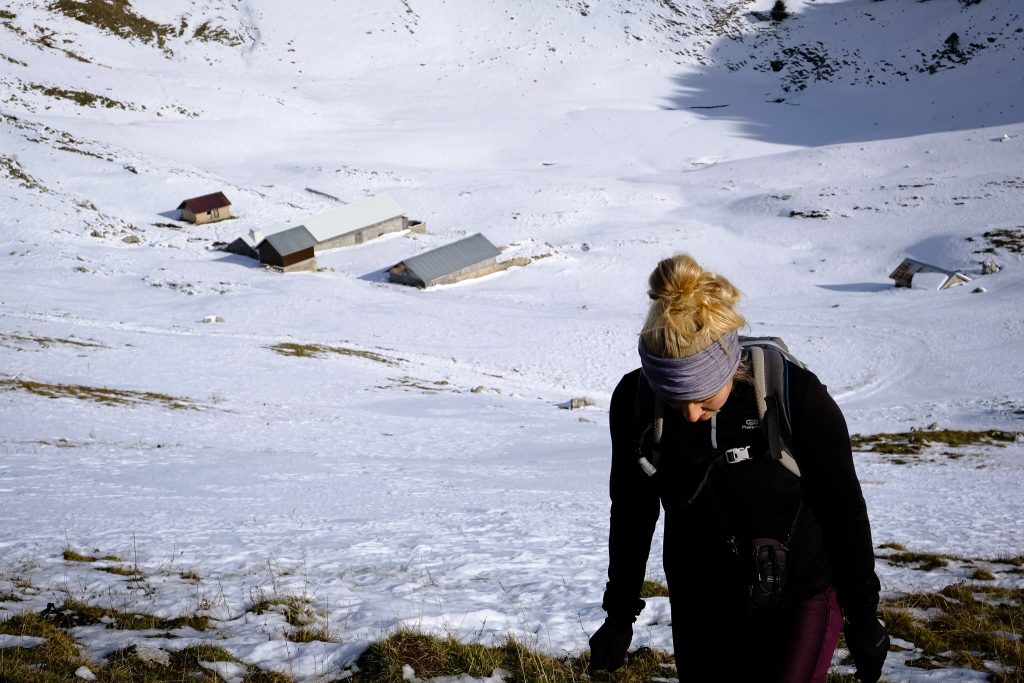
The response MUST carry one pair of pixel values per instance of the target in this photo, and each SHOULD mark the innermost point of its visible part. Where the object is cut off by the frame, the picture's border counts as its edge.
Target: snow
(392, 494)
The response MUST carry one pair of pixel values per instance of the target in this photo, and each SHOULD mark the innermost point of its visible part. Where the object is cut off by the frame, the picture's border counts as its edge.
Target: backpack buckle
(735, 455)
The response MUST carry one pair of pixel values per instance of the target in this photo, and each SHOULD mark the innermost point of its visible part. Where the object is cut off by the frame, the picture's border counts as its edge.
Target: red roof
(205, 203)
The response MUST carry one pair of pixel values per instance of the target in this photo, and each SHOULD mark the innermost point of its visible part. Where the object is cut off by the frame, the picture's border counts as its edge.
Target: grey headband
(694, 377)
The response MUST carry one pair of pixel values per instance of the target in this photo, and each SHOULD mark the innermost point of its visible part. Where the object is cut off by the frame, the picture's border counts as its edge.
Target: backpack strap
(653, 430)
(771, 392)
(769, 360)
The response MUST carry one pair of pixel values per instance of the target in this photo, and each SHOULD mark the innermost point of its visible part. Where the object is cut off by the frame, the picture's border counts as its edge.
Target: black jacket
(824, 508)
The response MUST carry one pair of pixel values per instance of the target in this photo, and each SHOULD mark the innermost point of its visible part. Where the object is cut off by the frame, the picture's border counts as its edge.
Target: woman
(733, 619)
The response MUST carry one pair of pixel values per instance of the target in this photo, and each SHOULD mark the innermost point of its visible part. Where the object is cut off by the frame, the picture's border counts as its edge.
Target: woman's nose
(692, 412)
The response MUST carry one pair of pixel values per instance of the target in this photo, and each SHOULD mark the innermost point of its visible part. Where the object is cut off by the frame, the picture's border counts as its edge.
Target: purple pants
(794, 646)
(813, 633)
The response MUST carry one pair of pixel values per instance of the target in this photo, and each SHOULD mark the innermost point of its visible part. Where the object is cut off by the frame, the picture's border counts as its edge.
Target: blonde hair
(690, 308)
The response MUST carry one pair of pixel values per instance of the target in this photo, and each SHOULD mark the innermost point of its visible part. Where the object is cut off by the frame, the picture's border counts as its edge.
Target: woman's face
(702, 409)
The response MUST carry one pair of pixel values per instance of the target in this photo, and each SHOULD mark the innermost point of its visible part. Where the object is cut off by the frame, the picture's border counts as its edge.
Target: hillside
(403, 457)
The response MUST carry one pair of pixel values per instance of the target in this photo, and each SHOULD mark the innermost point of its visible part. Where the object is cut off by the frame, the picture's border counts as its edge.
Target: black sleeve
(821, 444)
(634, 510)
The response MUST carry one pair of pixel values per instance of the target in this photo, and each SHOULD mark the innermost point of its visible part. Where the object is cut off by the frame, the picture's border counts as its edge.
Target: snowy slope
(595, 137)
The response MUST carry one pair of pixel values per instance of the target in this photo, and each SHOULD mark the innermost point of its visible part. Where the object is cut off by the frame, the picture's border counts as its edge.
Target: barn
(359, 222)
(289, 250)
(205, 209)
(468, 258)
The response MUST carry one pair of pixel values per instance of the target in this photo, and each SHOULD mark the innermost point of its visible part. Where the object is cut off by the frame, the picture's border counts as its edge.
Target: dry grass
(434, 656)
(96, 394)
(322, 350)
(18, 341)
(74, 556)
(82, 98)
(1007, 239)
(76, 613)
(10, 167)
(653, 589)
(915, 442)
(297, 610)
(116, 17)
(962, 625)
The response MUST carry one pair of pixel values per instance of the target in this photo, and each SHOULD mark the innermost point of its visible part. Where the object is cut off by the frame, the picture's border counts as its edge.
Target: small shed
(205, 209)
(246, 245)
(904, 274)
(289, 250)
(359, 222)
(470, 257)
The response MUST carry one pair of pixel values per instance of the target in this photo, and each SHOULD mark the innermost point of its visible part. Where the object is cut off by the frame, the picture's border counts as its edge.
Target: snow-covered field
(440, 483)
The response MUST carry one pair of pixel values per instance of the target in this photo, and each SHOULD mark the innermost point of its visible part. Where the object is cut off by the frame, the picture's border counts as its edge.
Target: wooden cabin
(205, 209)
(289, 250)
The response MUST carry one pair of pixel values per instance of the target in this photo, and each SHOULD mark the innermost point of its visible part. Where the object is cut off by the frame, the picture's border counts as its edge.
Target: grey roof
(445, 260)
(340, 221)
(291, 240)
(352, 217)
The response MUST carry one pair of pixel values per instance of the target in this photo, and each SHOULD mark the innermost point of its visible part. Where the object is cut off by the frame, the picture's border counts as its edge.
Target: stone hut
(904, 274)
(470, 257)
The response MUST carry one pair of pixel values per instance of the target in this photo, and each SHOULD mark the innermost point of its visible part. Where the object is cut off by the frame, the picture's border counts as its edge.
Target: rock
(131, 239)
(990, 266)
(213, 319)
(150, 654)
(577, 403)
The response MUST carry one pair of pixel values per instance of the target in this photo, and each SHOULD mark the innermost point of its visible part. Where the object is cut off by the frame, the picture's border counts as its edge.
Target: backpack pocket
(768, 578)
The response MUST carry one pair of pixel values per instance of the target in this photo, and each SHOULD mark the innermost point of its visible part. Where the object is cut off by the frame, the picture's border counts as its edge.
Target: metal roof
(351, 217)
(445, 260)
(291, 240)
(339, 221)
(205, 203)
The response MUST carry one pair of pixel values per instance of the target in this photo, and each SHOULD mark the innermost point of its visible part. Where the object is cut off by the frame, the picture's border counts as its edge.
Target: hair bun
(690, 307)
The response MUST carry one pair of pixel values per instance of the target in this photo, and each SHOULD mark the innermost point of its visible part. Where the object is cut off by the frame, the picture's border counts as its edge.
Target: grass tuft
(76, 613)
(925, 561)
(74, 556)
(209, 33)
(297, 610)
(1007, 239)
(122, 570)
(10, 167)
(432, 656)
(96, 394)
(18, 341)
(963, 625)
(893, 546)
(915, 442)
(56, 659)
(653, 589)
(322, 350)
(311, 635)
(82, 98)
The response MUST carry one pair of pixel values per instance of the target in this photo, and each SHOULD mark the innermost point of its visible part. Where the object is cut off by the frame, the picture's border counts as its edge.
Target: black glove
(609, 643)
(868, 642)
